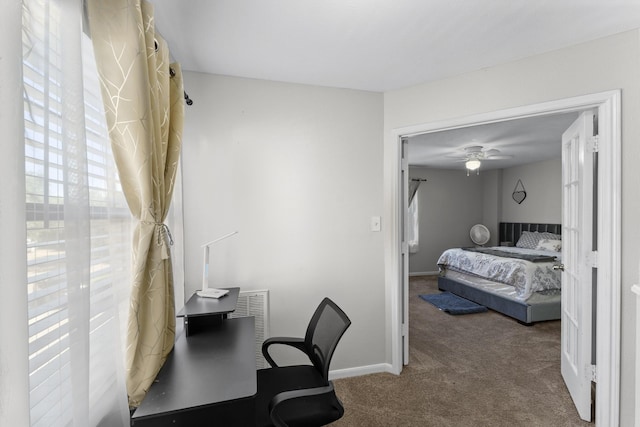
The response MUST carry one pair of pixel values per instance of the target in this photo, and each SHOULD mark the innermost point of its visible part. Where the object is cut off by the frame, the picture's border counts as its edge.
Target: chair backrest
(325, 329)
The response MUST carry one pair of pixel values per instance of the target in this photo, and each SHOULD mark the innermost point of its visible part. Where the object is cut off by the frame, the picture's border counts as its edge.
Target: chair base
(302, 412)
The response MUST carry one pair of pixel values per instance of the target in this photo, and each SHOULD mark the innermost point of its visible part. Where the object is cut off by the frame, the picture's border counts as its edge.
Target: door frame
(607, 328)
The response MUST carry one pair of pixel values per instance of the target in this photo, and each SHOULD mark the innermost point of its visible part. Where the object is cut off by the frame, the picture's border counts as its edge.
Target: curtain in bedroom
(143, 98)
(413, 189)
(413, 228)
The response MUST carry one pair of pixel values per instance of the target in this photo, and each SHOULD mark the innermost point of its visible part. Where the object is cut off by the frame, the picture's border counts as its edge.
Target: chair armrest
(294, 394)
(291, 342)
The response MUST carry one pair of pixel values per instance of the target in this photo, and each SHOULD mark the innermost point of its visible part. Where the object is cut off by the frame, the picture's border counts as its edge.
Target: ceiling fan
(473, 156)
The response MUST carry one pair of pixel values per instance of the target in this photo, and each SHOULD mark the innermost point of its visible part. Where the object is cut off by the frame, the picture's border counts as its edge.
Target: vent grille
(256, 304)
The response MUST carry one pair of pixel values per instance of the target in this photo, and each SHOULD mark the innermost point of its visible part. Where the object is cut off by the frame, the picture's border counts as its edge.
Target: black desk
(208, 379)
(201, 313)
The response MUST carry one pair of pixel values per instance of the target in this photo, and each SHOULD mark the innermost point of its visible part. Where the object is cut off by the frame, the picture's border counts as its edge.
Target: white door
(404, 249)
(578, 260)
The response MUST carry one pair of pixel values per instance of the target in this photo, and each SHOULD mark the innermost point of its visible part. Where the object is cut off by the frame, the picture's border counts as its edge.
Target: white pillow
(550, 236)
(549, 245)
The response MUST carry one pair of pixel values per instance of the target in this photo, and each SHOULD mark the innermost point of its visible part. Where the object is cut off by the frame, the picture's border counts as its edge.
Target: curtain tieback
(164, 236)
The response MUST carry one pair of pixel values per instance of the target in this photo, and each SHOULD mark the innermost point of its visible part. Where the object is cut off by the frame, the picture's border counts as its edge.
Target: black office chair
(302, 395)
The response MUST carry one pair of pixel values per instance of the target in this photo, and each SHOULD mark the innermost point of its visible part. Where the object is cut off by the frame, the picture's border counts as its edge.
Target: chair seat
(322, 409)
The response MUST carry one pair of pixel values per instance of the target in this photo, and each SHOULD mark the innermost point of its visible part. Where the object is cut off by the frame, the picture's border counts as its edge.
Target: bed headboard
(511, 231)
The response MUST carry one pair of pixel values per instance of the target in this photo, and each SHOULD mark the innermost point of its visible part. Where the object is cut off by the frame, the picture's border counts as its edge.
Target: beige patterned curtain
(143, 96)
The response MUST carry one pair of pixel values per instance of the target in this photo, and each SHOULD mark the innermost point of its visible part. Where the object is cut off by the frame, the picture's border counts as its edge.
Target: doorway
(608, 227)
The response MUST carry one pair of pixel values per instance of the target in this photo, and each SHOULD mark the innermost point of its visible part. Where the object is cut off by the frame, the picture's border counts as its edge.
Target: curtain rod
(188, 100)
(172, 73)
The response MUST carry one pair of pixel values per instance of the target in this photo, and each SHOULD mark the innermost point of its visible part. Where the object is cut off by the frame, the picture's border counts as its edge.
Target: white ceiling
(381, 45)
(377, 45)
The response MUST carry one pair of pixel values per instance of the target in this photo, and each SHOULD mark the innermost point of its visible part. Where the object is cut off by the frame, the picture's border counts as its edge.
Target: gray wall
(297, 171)
(450, 202)
(601, 65)
(492, 206)
(543, 184)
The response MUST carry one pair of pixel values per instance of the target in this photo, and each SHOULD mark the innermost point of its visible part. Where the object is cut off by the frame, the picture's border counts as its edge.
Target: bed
(516, 279)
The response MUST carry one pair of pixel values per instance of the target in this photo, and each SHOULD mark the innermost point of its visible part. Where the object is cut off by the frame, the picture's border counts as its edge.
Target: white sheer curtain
(413, 227)
(176, 224)
(14, 380)
(78, 228)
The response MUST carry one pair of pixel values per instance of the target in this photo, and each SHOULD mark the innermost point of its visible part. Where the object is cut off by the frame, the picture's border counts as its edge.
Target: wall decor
(519, 193)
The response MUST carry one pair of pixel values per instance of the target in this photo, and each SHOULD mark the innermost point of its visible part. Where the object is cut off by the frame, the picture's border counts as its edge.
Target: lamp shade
(472, 164)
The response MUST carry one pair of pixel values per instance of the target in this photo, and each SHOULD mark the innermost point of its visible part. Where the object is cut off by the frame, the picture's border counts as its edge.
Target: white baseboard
(424, 273)
(360, 370)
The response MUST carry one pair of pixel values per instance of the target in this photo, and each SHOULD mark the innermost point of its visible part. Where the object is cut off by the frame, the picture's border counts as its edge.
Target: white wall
(597, 66)
(297, 171)
(284, 165)
(543, 184)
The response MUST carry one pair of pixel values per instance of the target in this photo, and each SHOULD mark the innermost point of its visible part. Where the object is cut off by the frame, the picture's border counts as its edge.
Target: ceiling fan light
(472, 164)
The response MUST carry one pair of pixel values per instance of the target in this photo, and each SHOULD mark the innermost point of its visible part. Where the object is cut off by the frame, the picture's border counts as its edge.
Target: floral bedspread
(527, 277)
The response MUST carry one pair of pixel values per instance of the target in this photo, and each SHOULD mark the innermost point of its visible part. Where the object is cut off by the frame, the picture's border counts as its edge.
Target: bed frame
(524, 312)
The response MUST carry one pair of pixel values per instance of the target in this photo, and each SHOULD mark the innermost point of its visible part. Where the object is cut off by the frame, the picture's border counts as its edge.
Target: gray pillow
(530, 239)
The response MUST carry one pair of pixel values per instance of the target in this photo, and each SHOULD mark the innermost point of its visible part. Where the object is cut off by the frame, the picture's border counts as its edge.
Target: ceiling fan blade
(479, 153)
(473, 150)
(499, 157)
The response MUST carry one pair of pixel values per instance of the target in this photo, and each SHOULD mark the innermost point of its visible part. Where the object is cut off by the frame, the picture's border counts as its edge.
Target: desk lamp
(205, 268)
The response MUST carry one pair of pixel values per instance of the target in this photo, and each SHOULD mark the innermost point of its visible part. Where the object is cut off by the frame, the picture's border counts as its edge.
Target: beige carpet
(480, 369)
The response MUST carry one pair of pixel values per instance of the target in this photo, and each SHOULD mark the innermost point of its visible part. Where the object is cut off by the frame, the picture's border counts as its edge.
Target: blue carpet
(453, 304)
